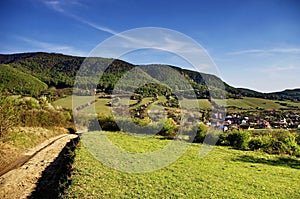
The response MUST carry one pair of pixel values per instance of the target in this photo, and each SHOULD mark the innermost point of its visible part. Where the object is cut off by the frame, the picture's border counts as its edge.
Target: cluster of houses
(244, 122)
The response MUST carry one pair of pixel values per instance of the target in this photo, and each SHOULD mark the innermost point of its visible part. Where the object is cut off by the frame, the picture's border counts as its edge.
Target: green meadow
(223, 173)
(245, 103)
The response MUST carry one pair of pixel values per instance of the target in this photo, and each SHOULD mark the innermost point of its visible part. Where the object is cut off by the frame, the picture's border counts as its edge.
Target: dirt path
(21, 182)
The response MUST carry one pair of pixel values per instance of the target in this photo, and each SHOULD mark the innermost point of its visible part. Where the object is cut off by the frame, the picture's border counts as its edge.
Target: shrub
(260, 142)
(169, 129)
(43, 118)
(288, 144)
(276, 142)
(213, 137)
(141, 126)
(239, 139)
(108, 123)
(297, 136)
(201, 133)
(142, 122)
(93, 125)
(223, 139)
(8, 114)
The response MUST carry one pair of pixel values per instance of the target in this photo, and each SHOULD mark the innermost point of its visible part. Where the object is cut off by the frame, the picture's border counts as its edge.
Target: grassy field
(246, 103)
(204, 104)
(223, 173)
(253, 103)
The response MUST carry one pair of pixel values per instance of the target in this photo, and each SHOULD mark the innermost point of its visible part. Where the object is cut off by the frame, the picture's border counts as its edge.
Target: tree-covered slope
(17, 82)
(60, 71)
(290, 94)
(53, 69)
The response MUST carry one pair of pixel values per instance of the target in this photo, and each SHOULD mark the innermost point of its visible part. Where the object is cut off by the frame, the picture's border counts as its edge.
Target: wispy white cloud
(266, 51)
(61, 5)
(162, 39)
(275, 69)
(167, 43)
(46, 46)
(96, 26)
(55, 5)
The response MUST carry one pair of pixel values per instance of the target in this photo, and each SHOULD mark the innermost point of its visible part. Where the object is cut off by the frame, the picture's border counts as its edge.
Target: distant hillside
(53, 69)
(17, 82)
(60, 70)
(293, 95)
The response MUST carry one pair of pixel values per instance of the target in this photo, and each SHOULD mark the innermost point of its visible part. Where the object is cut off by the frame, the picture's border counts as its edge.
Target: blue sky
(255, 44)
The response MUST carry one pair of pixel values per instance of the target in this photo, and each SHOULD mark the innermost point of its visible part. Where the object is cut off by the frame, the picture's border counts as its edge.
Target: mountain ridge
(59, 70)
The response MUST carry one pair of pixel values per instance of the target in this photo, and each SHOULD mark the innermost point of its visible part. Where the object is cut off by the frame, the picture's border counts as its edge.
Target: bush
(239, 139)
(107, 123)
(169, 129)
(142, 122)
(8, 114)
(140, 126)
(288, 143)
(213, 137)
(93, 125)
(223, 140)
(260, 142)
(201, 133)
(44, 118)
(297, 136)
(276, 142)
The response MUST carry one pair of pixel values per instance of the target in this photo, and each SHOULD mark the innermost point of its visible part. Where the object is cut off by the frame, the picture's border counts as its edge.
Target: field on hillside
(223, 173)
(100, 104)
(255, 103)
(246, 103)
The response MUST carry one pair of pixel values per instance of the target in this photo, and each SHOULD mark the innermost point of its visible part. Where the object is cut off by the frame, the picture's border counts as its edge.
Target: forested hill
(290, 94)
(59, 71)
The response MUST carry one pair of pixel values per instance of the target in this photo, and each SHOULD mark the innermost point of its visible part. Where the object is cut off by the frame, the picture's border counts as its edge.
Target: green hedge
(273, 142)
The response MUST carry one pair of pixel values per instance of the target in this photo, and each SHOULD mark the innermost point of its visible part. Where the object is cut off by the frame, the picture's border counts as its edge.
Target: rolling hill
(18, 82)
(59, 70)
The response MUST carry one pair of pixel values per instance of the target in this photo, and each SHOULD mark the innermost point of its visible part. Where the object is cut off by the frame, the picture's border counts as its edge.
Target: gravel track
(20, 179)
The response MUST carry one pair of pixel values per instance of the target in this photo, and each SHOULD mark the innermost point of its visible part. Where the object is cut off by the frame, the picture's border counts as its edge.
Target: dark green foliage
(283, 142)
(239, 139)
(297, 137)
(152, 89)
(273, 142)
(143, 127)
(293, 95)
(60, 70)
(223, 139)
(202, 130)
(242, 92)
(107, 123)
(53, 69)
(257, 143)
(169, 129)
(93, 125)
(17, 82)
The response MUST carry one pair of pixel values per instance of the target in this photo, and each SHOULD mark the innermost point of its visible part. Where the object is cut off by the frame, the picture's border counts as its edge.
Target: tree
(8, 114)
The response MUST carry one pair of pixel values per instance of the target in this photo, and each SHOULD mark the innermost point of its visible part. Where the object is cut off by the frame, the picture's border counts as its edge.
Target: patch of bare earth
(17, 145)
(22, 180)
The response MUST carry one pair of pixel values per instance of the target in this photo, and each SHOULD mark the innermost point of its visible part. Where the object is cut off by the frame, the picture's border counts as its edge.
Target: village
(239, 121)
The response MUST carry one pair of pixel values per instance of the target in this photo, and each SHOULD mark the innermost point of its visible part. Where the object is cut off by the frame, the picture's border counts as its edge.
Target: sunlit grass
(223, 173)
(246, 103)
